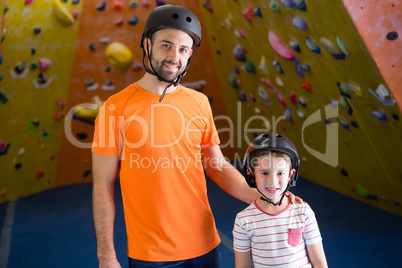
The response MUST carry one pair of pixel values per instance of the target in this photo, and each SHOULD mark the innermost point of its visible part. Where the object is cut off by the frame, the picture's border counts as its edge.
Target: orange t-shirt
(166, 208)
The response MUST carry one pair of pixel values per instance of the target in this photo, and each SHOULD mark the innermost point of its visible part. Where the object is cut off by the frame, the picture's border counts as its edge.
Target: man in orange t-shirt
(164, 136)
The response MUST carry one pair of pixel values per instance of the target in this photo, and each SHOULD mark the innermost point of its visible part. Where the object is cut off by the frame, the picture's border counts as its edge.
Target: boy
(272, 231)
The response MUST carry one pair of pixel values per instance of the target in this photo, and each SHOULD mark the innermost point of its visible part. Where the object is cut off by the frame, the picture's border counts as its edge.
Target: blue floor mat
(55, 229)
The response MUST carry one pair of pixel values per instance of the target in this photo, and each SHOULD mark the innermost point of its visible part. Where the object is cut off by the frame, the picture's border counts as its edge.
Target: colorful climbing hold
(331, 47)
(145, 3)
(119, 22)
(300, 5)
(392, 36)
(344, 90)
(344, 172)
(19, 68)
(264, 96)
(86, 173)
(293, 98)
(92, 47)
(133, 5)
(160, 3)
(102, 6)
(257, 12)
(44, 64)
(233, 81)
(239, 53)
(268, 83)
(302, 102)
(274, 6)
(60, 103)
(281, 99)
(75, 14)
(61, 14)
(118, 55)
(288, 3)
(133, 20)
(118, 5)
(343, 123)
(299, 23)
(263, 66)
(207, 6)
(379, 115)
(82, 135)
(37, 31)
(279, 47)
(312, 46)
(306, 85)
(248, 14)
(277, 66)
(42, 79)
(341, 45)
(298, 67)
(288, 115)
(3, 96)
(295, 46)
(279, 81)
(39, 173)
(249, 67)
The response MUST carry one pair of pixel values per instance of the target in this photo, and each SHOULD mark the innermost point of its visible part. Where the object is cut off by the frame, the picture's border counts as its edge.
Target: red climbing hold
(248, 14)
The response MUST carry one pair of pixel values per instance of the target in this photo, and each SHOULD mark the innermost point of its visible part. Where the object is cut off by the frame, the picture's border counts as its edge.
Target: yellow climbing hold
(86, 112)
(61, 14)
(119, 55)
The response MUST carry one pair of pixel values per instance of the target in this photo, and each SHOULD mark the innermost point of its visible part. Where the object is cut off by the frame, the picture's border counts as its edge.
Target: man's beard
(163, 73)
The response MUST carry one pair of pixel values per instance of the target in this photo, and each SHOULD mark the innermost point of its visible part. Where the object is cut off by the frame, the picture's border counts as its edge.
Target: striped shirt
(276, 240)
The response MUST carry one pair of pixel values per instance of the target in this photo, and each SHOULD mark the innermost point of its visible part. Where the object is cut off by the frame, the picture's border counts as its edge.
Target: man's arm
(226, 176)
(104, 173)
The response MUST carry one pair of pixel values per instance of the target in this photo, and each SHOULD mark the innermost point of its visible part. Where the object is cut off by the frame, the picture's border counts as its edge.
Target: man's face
(169, 52)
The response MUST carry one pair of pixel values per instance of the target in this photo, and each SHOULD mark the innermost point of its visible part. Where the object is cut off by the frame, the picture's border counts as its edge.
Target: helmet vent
(175, 16)
(188, 19)
(279, 135)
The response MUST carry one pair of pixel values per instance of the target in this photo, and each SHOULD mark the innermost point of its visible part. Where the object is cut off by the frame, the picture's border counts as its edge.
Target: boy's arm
(316, 255)
(229, 178)
(242, 259)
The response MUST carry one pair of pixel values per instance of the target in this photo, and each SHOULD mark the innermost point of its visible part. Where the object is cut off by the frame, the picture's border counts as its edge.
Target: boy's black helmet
(274, 142)
(173, 17)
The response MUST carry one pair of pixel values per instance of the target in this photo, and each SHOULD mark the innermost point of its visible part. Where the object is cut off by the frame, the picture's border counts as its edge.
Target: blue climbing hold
(379, 115)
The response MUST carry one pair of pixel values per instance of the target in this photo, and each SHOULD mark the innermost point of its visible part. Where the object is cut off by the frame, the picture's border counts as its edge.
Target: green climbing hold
(33, 66)
(86, 173)
(108, 68)
(6, 8)
(33, 51)
(361, 191)
(250, 67)
(344, 89)
(341, 45)
(233, 81)
(274, 6)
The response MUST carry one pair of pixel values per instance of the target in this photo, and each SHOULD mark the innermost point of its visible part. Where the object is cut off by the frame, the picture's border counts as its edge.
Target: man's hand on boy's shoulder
(293, 198)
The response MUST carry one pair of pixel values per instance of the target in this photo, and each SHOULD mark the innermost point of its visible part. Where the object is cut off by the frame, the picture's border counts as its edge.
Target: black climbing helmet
(173, 17)
(274, 142)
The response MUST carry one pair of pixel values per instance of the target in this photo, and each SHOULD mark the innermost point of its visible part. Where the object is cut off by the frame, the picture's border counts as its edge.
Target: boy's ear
(292, 171)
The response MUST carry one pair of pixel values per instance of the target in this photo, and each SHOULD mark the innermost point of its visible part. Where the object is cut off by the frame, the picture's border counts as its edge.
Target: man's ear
(191, 52)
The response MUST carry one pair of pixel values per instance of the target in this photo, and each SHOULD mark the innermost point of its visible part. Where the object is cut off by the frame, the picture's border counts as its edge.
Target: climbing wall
(107, 59)
(302, 68)
(36, 50)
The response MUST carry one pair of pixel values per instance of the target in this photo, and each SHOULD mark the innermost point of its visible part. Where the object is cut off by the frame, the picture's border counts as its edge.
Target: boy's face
(272, 174)
(171, 50)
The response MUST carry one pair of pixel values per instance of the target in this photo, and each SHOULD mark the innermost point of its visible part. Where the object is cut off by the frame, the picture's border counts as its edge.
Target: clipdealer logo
(237, 136)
